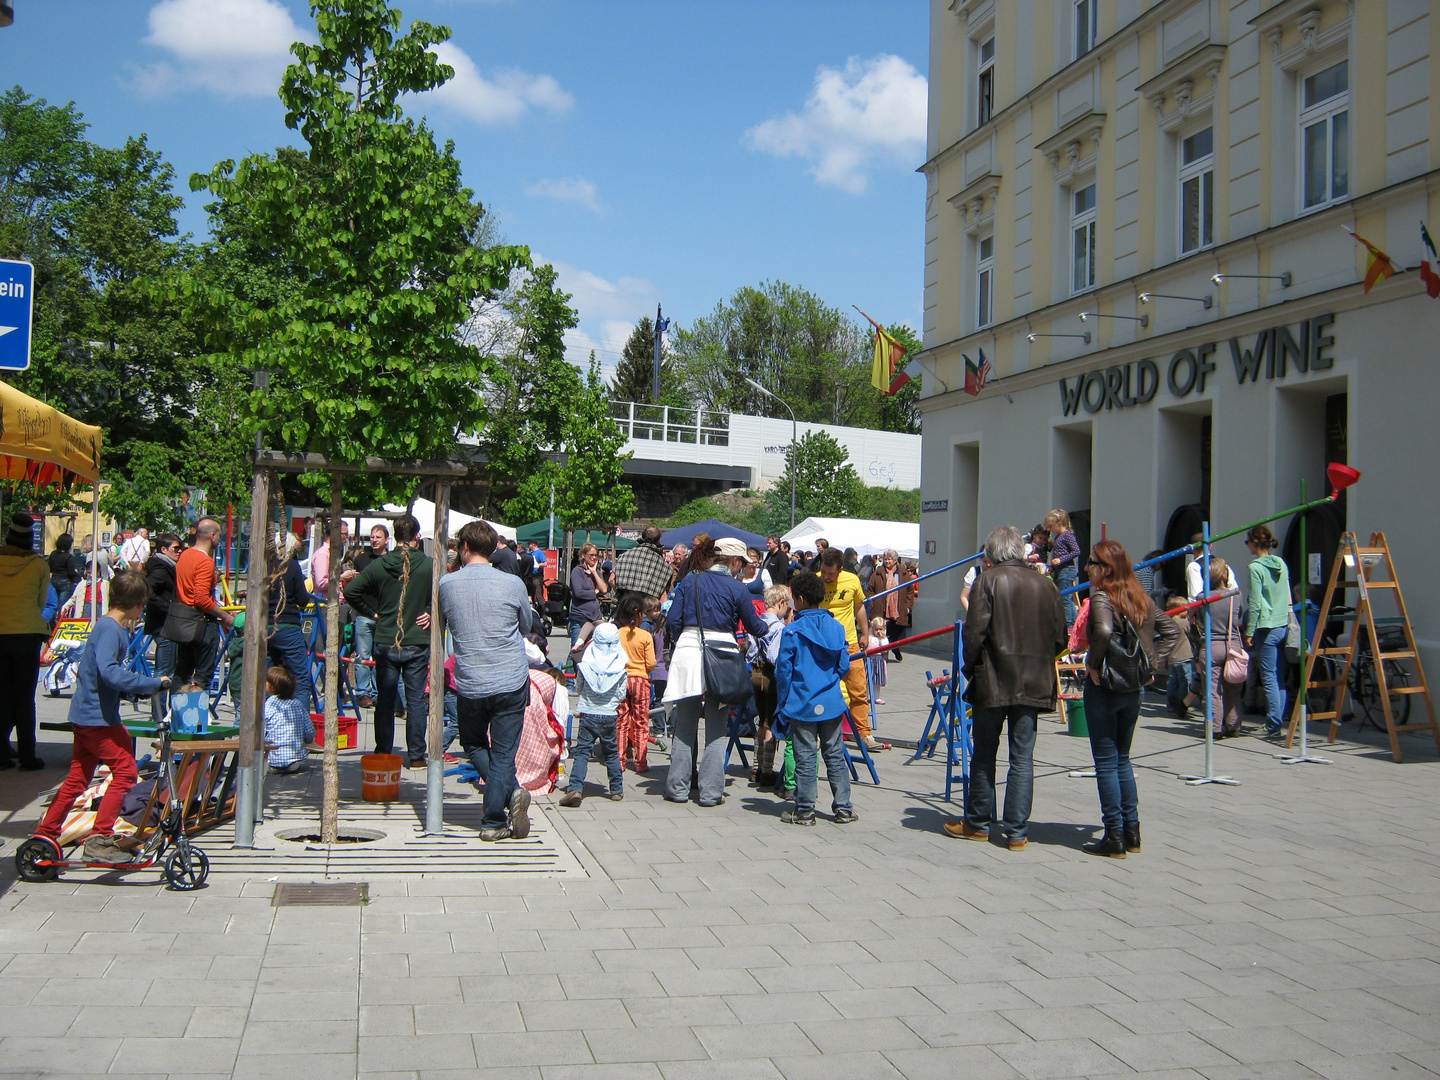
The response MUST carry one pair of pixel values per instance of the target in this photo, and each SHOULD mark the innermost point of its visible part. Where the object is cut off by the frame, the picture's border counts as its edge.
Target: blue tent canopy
(716, 529)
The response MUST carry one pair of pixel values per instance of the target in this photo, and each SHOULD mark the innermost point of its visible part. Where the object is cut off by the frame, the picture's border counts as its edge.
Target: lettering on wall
(1273, 353)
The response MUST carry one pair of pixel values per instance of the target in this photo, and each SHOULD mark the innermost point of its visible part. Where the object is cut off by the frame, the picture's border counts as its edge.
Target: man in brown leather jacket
(1014, 630)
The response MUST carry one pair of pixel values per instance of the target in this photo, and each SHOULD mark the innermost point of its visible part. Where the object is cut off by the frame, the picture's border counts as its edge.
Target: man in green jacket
(394, 590)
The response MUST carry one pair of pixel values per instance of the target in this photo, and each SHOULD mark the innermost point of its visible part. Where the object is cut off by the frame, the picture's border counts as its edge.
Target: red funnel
(1341, 476)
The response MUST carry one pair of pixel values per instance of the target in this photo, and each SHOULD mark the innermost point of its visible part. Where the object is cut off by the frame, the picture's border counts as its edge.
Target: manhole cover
(330, 894)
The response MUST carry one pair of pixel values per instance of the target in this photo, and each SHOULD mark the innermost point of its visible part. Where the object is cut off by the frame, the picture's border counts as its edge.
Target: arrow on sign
(6, 329)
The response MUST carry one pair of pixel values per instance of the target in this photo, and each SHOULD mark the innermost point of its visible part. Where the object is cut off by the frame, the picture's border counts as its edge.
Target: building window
(986, 86)
(1082, 231)
(1325, 136)
(1087, 26)
(985, 283)
(1197, 191)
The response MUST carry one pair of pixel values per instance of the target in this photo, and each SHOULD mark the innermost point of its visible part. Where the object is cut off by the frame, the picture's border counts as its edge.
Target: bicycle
(1362, 684)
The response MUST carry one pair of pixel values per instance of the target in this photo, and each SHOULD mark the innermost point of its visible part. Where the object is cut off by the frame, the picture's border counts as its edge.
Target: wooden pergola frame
(249, 799)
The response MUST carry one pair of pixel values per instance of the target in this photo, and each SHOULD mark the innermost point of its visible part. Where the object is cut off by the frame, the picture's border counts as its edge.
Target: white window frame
(1084, 12)
(984, 282)
(985, 83)
(1084, 221)
(1323, 112)
(1202, 171)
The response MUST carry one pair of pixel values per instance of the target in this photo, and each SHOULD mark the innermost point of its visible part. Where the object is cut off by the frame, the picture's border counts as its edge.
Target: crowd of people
(658, 626)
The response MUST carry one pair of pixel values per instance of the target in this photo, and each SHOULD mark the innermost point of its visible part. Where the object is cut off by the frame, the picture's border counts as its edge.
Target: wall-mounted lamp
(1143, 320)
(1284, 279)
(1146, 297)
(1085, 336)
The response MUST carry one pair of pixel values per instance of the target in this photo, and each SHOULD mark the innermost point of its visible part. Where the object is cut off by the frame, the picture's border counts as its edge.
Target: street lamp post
(794, 444)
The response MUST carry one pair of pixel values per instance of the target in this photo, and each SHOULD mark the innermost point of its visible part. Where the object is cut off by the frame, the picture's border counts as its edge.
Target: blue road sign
(17, 295)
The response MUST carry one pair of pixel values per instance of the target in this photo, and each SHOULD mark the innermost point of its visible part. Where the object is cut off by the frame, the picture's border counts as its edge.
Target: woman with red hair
(1124, 657)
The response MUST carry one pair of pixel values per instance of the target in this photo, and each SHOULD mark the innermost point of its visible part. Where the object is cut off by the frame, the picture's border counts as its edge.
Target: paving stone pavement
(1288, 927)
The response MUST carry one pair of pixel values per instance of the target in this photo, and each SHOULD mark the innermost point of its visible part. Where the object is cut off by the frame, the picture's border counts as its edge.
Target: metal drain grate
(332, 894)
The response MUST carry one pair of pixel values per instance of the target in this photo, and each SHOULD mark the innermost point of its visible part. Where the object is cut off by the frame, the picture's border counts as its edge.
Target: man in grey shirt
(488, 614)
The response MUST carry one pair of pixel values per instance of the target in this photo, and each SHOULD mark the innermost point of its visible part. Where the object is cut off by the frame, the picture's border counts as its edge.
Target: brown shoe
(962, 830)
(417, 763)
(127, 842)
(1017, 845)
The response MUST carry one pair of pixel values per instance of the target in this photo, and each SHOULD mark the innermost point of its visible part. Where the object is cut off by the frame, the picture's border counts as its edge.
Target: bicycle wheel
(1366, 690)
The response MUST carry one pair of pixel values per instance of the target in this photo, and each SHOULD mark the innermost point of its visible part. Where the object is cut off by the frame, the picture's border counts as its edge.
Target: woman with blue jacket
(711, 598)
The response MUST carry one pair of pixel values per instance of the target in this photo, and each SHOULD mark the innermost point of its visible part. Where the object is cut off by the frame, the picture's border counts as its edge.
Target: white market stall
(866, 537)
(424, 510)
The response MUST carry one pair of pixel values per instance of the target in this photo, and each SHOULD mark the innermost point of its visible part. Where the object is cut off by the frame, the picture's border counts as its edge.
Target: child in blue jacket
(813, 658)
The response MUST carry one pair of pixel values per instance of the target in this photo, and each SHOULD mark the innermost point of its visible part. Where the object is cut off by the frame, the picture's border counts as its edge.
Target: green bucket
(1075, 714)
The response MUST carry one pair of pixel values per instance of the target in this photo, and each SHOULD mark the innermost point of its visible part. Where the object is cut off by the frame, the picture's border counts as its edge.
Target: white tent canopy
(424, 510)
(866, 537)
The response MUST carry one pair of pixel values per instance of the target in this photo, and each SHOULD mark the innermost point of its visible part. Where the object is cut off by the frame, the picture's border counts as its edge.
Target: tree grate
(330, 894)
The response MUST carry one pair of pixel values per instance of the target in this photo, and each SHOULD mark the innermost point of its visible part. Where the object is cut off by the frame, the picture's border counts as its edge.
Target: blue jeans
(596, 729)
(1177, 685)
(364, 649)
(452, 722)
(1265, 646)
(1065, 578)
(575, 628)
(1019, 781)
(813, 740)
(489, 734)
(286, 647)
(410, 664)
(164, 665)
(1111, 717)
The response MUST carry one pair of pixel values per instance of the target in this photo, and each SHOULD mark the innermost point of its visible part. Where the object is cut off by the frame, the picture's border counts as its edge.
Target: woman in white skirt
(712, 598)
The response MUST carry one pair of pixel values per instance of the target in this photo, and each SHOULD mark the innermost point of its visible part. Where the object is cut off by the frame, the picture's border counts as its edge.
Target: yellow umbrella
(43, 445)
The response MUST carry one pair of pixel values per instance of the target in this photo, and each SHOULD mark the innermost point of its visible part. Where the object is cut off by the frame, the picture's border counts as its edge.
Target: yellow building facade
(1136, 210)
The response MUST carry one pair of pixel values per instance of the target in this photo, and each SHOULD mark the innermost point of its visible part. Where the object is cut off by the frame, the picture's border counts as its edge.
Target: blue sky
(667, 151)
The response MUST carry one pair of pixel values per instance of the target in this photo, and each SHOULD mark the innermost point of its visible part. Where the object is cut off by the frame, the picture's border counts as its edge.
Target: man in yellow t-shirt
(846, 601)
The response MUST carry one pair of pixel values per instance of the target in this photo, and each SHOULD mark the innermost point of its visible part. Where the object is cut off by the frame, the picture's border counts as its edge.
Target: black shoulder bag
(722, 664)
(1126, 664)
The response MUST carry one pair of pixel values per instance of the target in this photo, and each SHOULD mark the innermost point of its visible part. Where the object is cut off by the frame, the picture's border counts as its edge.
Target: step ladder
(1374, 572)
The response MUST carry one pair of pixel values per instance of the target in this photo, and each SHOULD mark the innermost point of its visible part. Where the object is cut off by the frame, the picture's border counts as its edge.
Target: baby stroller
(556, 608)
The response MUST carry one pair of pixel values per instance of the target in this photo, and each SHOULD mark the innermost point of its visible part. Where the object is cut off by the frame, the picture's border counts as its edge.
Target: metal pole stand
(957, 726)
(1304, 757)
(1209, 777)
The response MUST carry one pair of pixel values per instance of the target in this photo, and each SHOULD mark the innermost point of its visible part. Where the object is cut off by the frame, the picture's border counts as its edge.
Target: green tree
(150, 494)
(533, 499)
(635, 374)
(98, 224)
(593, 493)
(380, 236)
(826, 484)
(530, 396)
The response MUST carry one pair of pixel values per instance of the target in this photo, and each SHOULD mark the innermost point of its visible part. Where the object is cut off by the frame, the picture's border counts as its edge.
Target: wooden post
(330, 799)
(434, 758)
(252, 678)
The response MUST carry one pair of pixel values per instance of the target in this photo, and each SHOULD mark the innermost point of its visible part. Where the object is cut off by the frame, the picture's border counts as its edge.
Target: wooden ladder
(1374, 570)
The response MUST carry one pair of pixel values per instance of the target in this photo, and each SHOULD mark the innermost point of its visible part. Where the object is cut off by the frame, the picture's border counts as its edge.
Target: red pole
(1102, 530)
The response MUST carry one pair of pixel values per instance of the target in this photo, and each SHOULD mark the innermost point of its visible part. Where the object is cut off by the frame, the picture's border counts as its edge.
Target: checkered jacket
(643, 569)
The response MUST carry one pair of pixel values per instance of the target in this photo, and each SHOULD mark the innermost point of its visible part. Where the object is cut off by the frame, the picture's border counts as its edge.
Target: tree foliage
(635, 374)
(530, 395)
(152, 492)
(376, 236)
(812, 356)
(593, 493)
(826, 484)
(99, 225)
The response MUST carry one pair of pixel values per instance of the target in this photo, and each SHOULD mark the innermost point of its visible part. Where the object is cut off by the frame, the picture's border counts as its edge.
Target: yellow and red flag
(886, 374)
(1377, 265)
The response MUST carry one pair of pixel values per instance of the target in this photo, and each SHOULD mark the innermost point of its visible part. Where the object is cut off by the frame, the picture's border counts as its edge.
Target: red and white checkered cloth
(542, 739)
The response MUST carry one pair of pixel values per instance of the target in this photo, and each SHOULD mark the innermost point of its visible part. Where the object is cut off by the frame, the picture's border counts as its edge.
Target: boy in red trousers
(100, 737)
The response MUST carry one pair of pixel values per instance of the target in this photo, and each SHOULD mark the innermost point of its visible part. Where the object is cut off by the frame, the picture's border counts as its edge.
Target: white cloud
(506, 97)
(228, 46)
(608, 311)
(570, 189)
(872, 109)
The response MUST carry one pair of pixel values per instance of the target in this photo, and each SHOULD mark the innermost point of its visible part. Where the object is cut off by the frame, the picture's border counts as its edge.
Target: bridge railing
(668, 423)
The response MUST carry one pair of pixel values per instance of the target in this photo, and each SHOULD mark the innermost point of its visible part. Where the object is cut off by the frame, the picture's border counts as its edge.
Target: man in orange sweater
(195, 617)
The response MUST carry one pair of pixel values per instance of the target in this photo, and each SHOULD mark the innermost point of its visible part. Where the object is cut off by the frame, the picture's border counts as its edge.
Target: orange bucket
(380, 777)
